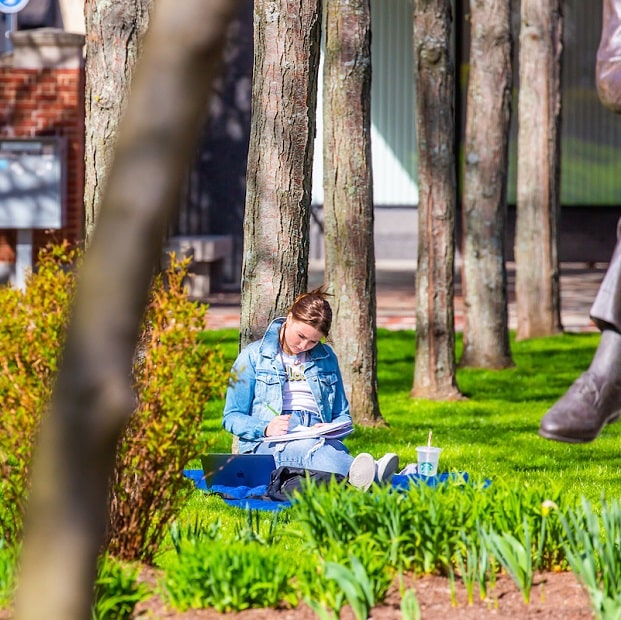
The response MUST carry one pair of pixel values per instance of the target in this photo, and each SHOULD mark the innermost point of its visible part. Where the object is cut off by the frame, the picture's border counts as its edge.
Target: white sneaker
(386, 467)
(362, 471)
(409, 470)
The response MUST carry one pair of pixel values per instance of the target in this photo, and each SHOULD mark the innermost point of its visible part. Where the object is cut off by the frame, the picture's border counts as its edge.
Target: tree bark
(488, 116)
(348, 203)
(93, 397)
(435, 367)
(114, 30)
(278, 194)
(538, 174)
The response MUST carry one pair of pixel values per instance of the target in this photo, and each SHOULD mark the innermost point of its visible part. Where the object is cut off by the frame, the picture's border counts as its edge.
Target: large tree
(537, 281)
(348, 202)
(114, 32)
(435, 366)
(93, 396)
(484, 210)
(278, 192)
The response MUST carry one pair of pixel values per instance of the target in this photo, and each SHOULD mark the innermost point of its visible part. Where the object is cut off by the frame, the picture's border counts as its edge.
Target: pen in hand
(279, 425)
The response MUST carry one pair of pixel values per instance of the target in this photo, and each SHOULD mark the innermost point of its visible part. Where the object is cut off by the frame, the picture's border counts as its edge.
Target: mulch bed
(555, 596)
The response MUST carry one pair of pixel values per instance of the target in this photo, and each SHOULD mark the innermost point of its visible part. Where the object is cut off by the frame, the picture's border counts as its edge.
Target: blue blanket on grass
(253, 497)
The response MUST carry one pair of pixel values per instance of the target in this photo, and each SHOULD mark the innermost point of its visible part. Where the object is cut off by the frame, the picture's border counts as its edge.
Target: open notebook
(333, 430)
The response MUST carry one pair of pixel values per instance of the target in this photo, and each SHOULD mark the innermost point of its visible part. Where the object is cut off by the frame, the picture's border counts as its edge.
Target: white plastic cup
(428, 458)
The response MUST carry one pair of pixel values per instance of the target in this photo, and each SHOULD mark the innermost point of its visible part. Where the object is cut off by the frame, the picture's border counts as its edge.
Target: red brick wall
(47, 101)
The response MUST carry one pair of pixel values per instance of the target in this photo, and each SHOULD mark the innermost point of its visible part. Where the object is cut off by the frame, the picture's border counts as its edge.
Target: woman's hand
(278, 426)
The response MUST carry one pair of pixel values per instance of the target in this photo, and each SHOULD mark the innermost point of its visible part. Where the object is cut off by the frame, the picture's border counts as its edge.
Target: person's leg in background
(594, 399)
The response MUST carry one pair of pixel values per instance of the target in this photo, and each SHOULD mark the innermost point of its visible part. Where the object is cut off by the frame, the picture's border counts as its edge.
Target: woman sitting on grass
(291, 378)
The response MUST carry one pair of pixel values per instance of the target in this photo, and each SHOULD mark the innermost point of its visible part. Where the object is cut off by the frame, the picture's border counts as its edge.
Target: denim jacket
(254, 395)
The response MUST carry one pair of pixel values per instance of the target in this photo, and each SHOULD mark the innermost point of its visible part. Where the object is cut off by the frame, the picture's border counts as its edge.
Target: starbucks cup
(428, 457)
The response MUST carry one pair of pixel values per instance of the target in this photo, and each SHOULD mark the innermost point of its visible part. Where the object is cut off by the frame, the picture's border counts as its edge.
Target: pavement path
(396, 297)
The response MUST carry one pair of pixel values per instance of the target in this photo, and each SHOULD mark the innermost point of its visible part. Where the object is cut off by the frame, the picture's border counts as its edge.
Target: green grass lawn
(491, 434)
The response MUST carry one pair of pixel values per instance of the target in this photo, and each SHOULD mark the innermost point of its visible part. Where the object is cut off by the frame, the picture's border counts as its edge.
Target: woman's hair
(313, 309)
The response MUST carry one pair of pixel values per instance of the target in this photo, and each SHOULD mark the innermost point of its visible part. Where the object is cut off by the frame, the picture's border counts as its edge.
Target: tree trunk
(434, 368)
(114, 30)
(488, 115)
(538, 174)
(348, 203)
(93, 396)
(278, 194)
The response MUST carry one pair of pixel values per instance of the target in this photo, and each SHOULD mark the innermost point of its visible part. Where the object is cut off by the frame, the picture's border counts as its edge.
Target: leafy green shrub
(193, 531)
(31, 338)
(422, 529)
(8, 562)
(474, 566)
(594, 552)
(174, 375)
(349, 545)
(229, 576)
(336, 583)
(410, 609)
(356, 574)
(417, 529)
(117, 590)
(515, 556)
(527, 511)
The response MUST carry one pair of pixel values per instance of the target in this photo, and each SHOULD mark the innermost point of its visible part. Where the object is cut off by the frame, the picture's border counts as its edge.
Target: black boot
(592, 401)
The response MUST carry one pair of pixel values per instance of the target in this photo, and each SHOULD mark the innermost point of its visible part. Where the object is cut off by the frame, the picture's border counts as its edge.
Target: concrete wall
(586, 234)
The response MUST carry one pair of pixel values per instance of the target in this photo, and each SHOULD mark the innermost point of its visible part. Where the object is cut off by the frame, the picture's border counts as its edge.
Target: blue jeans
(320, 454)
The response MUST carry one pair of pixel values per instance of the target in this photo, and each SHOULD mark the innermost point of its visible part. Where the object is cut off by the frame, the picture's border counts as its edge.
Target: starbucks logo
(426, 468)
